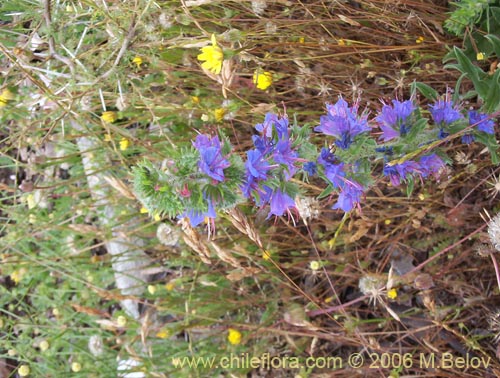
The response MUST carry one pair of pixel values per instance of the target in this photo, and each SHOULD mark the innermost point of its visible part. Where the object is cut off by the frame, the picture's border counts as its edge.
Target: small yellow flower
(341, 42)
(124, 144)
(44, 345)
(262, 79)
(315, 265)
(219, 114)
(480, 56)
(17, 275)
(107, 138)
(195, 99)
(266, 255)
(157, 217)
(212, 57)
(328, 299)
(302, 40)
(143, 210)
(5, 97)
(163, 334)
(419, 39)
(56, 312)
(109, 116)
(392, 294)
(76, 367)
(138, 61)
(234, 336)
(121, 321)
(24, 371)
(170, 286)
(387, 222)
(151, 289)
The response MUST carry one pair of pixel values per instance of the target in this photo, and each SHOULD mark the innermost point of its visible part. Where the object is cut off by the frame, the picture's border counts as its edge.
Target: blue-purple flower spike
(281, 203)
(343, 123)
(211, 162)
(394, 120)
(444, 113)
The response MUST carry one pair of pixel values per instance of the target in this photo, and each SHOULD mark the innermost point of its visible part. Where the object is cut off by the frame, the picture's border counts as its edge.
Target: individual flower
(284, 154)
(219, 114)
(333, 172)
(124, 144)
(276, 123)
(44, 345)
(234, 336)
(393, 120)
(392, 294)
(310, 168)
(349, 196)
(401, 171)
(212, 57)
(5, 97)
(109, 116)
(76, 367)
(281, 203)
(444, 113)
(24, 371)
(256, 166)
(196, 217)
(431, 165)
(137, 61)
(211, 162)
(483, 121)
(343, 123)
(262, 79)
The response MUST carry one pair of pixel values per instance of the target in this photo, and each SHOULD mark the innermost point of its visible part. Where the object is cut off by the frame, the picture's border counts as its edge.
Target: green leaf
(495, 42)
(427, 91)
(325, 193)
(410, 186)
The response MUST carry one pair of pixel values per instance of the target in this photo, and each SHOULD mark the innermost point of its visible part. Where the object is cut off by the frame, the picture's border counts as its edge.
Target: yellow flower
(76, 367)
(219, 114)
(157, 217)
(170, 286)
(234, 336)
(107, 138)
(419, 39)
(341, 42)
(212, 57)
(480, 56)
(315, 265)
(262, 79)
(163, 334)
(143, 210)
(18, 275)
(151, 289)
(124, 143)
(266, 255)
(392, 294)
(109, 117)
(24, 371)
(138, 61)
(44, 345)
(121, 321)
(5, 97)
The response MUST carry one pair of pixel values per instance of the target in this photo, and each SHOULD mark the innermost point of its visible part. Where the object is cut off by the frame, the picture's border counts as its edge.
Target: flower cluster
(270, 165)
(208, 176)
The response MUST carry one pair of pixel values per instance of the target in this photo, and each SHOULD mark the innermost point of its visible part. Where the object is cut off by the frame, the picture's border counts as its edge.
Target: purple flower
(280, 203)
(197, 217)
(482, 121)
(343, 123)
(431, 165)
(393, 119)
(256, 166)
(280, 125)
(445, 113)
(283, 154)
(333, 172)
(349, 196)
(398, 172)
(211, 162)
(310, 167)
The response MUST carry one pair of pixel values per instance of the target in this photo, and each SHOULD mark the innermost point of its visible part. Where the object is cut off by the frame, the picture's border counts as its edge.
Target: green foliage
(466, 14)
